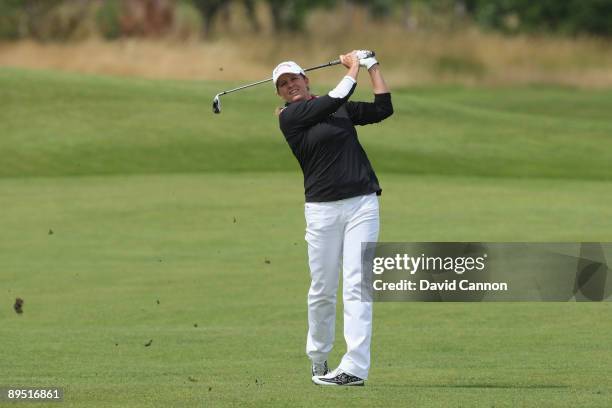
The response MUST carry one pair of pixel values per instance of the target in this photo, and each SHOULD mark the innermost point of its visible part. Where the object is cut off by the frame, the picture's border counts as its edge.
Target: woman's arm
(379, 86)
(365, 113)
(351, 62)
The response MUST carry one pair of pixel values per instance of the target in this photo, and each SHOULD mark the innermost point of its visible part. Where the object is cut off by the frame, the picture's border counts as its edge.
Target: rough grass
(130, 213)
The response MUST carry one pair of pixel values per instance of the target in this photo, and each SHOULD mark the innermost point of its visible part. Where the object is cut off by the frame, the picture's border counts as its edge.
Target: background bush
(67, 19)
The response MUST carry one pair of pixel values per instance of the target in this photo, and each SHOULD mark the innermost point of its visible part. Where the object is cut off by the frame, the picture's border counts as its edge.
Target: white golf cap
(286, 67)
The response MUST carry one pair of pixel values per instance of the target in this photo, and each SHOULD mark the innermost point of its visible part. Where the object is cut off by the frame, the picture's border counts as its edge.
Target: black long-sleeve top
(321, 133)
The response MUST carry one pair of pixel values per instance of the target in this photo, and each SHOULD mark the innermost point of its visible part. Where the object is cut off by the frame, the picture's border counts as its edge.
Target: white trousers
(334, 232)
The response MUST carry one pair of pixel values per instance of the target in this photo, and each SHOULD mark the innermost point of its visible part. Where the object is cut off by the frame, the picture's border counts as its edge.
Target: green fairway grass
(131, 215)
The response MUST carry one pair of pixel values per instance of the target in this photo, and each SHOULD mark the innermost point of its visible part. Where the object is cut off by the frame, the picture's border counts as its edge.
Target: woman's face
(293, 87)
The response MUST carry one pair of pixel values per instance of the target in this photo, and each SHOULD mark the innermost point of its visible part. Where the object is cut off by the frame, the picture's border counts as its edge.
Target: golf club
(217, 100)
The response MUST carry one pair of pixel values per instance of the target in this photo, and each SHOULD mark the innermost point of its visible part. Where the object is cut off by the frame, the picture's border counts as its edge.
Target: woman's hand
(350, 59)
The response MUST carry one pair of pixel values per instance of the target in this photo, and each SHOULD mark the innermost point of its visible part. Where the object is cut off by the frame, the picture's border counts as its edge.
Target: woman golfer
(341, 207)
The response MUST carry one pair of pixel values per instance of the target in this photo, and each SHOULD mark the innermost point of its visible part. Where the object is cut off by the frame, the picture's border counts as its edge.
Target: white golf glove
(368, 62)
(364, 60)
(361, 54)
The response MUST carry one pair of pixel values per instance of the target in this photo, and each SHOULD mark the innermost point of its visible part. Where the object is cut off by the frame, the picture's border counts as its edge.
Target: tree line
(61, 19)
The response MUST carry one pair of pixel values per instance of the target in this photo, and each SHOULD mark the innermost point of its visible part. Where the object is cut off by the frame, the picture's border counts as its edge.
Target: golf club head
(216, 104)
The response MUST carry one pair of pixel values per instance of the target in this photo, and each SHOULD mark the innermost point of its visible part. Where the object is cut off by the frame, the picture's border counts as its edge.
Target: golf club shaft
(328, 64)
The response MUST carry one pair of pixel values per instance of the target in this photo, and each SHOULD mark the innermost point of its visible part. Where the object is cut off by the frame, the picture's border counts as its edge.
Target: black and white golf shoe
(338, 378)
(320, 369)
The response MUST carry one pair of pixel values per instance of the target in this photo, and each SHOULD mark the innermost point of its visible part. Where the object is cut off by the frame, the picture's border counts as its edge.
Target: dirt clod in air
(18, 306)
